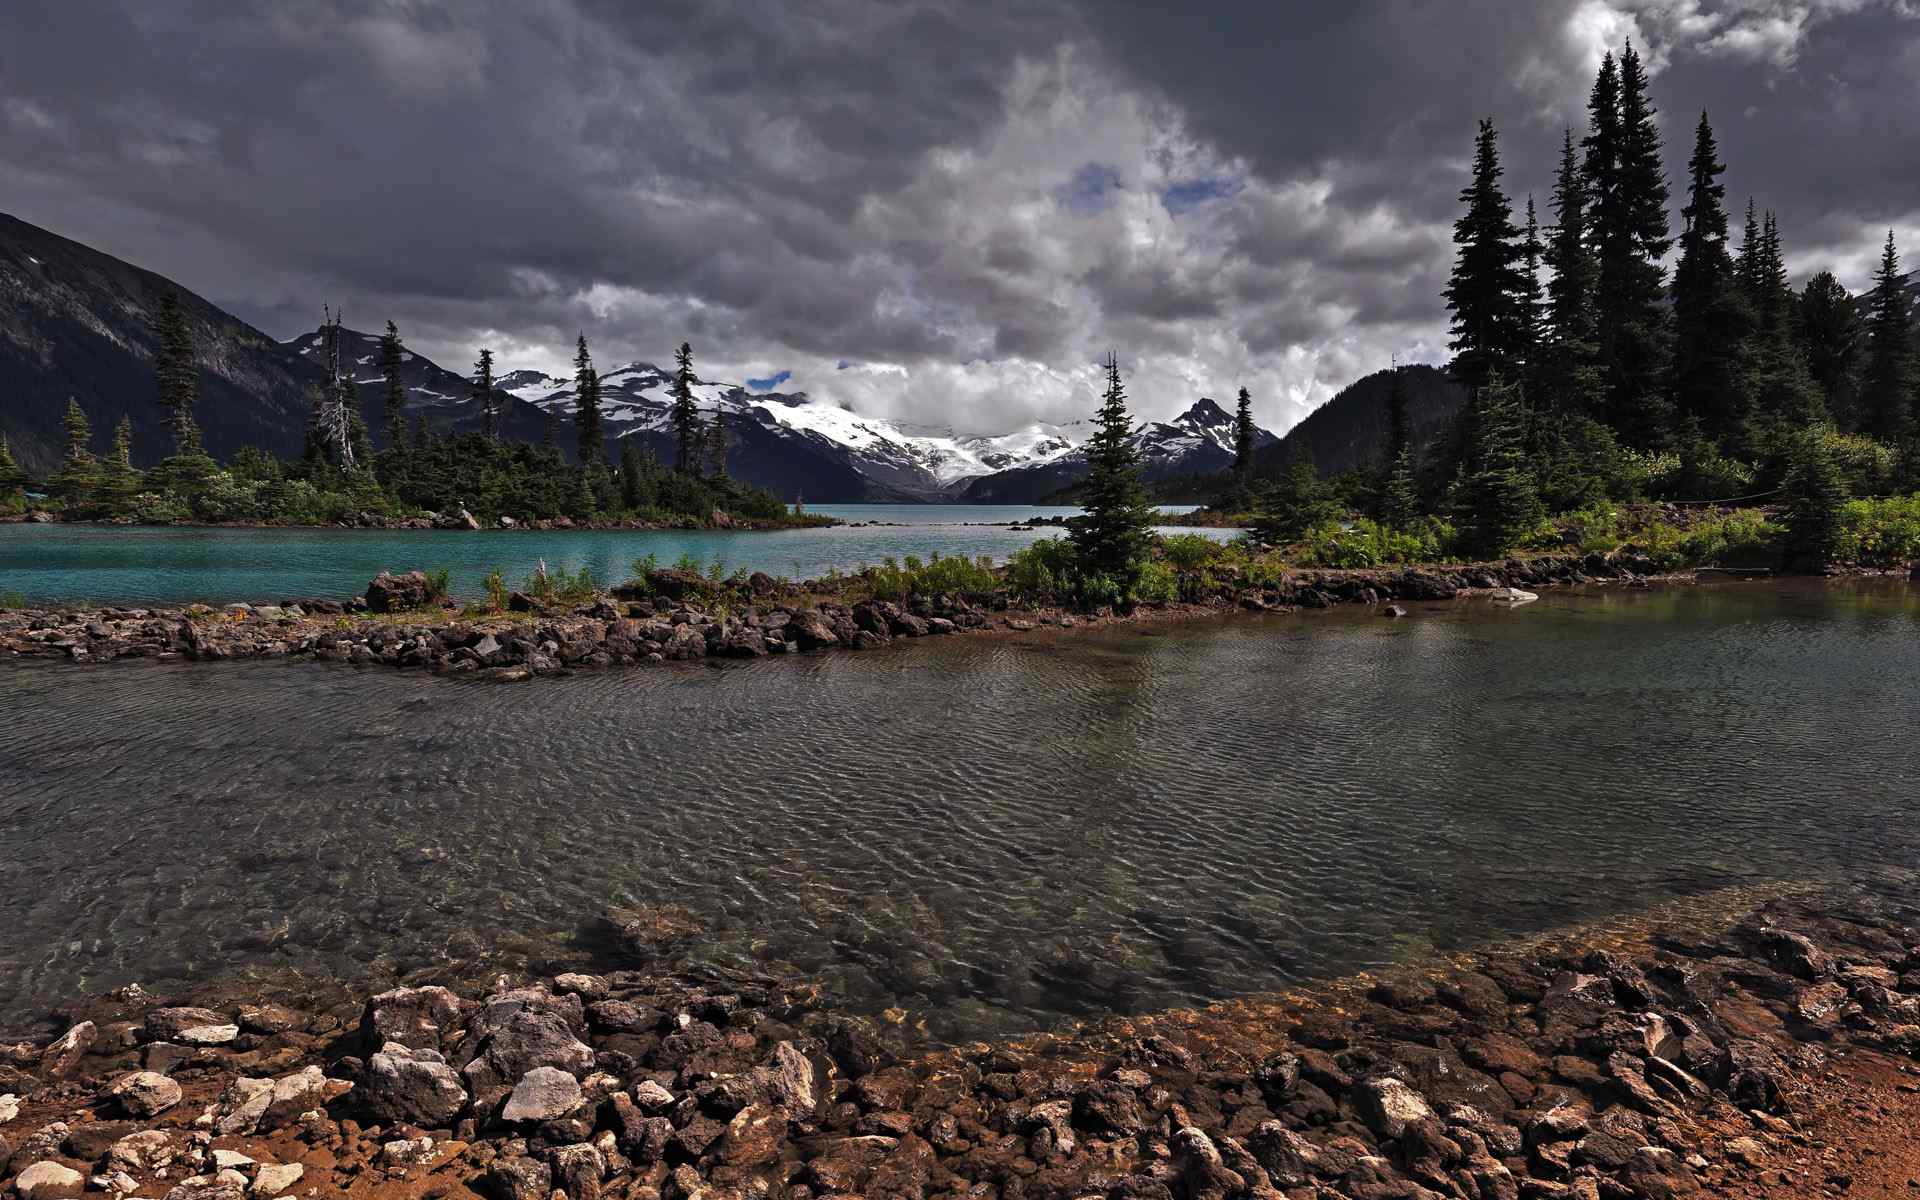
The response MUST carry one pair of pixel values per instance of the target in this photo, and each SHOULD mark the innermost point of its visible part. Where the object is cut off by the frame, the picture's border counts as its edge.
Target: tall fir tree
(686, 417)
(586, 409)
(1631, 237)
(1529, 298)
(13, 478)
(176, 374)
(1112, 536)
(79, 476)
(1399, 487)
(1785, 394)
(1886, 387)
(484, 396)
(1243, 433)
(1829, 334)
(1484, 291)
(119, 480)
(1566, 377)
(1747, 265)
(1712, 321)
(12, 475)
(392, 355)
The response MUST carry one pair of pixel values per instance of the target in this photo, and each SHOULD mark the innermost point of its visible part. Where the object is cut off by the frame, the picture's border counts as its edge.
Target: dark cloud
(968, 201)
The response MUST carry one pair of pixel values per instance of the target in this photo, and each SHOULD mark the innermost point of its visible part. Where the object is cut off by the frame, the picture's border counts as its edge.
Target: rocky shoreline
(675, 615)
(462, 520)
(1767, 1055)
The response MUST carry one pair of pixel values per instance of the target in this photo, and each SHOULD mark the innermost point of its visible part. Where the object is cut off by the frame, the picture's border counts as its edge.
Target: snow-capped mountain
(789, 442)
(889, 461)
(1197, 442)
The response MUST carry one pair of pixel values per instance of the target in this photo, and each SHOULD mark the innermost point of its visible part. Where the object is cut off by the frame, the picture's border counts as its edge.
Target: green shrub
(12, 600)
(1159, 583)
(900, 581)
(1868, 467)
(439, 583)
(560, 587)
(152, 508)
(1880, 533)
(496, 588)
(1189, 551)
(1367, 543)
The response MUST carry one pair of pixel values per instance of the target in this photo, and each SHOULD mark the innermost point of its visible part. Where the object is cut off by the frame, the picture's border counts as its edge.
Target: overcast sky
(942, 211)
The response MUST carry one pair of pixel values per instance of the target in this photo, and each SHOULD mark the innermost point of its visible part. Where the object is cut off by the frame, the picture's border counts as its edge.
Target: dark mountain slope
(78, 323)
(1350, 430)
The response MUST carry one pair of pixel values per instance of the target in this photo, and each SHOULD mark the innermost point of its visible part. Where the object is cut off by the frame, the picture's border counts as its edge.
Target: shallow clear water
(992, 834)
(115, 564)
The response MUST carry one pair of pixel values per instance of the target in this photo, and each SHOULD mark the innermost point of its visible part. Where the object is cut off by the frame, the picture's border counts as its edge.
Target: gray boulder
(413, 1017)
(519, 1178)
(145, 1093)
(416, 1086)
(527, 1039)
(543, 1094)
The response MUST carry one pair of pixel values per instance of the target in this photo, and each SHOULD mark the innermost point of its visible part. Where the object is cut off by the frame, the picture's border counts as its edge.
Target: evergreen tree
(79, 476)
(1829, 333)
(686, 417)
(1243, 434)
(391, 356)
(13, 478)
(1785, 394)
(1711, 319)
(1296, 502)
(1111, 538)
(1484, 291)
(1531, 309)
(1815, 493)
(1886, 389)
(1747, 265)
(550, 430)
(119, 481)
(1567, 379)
(483, 397)
(1399, 488)
(176, 375)
(422, 433)
(1495, 503)
(1630, 235)
(586, 409)
(636, 479)
(717, 444)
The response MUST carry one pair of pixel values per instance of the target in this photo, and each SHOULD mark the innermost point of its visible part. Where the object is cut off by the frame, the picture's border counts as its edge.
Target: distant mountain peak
(1205, 411)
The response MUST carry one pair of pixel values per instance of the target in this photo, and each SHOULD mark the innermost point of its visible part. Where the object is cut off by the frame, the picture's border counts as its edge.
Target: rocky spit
(1763, 1057)
(675, 615)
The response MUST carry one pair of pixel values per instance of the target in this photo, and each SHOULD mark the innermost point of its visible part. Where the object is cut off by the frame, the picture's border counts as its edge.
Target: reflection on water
(992, 834)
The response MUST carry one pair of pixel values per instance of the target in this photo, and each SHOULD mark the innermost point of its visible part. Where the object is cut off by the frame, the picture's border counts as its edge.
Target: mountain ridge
(79, 326)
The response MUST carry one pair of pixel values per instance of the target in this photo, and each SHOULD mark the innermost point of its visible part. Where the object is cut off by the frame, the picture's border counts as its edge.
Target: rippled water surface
(991, 834)
(117, 564)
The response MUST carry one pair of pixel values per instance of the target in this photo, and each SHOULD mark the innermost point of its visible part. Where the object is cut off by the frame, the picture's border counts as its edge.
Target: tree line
(1594, 377)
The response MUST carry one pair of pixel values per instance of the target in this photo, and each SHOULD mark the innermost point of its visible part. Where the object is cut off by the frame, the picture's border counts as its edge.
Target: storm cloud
(939, 211)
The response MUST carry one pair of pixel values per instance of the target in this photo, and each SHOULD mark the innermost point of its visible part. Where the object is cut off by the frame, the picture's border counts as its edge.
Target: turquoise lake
(121, 564)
